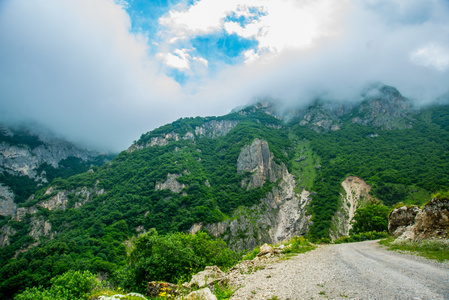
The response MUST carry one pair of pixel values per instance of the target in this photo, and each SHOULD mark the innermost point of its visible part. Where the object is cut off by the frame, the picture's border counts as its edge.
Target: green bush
(251, 255)
(370, 218)
(299, 245)
(364, 236)
(72, 285)
(174, 257)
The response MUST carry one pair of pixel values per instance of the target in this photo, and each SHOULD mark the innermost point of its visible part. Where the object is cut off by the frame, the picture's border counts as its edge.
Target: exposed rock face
(412, 223)
(22, 211)
(280, 216)
(7, 205)
(60, 199)
(257, 159)
(24, 160)
(210, 275)
(265, 249)
(322, 117)
(210, 129)
(384, 107)
(214, 128)
(170, 184)
(202, 294)
(5, 232)
(356, 194)
(39, 227)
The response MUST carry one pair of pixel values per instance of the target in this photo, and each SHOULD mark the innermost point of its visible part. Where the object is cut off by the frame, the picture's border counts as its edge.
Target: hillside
(249, 177)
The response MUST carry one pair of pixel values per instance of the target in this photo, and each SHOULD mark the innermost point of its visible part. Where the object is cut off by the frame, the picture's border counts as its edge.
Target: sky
(103, 72)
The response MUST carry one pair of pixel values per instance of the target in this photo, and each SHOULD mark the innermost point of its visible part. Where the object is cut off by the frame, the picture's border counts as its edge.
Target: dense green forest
(402, 165)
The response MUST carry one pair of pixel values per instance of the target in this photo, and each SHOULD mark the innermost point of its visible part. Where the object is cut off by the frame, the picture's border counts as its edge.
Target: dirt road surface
(349, 271)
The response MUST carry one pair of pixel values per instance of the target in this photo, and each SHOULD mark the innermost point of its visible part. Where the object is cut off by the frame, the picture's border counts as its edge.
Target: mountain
(31, 157)
(256, 175)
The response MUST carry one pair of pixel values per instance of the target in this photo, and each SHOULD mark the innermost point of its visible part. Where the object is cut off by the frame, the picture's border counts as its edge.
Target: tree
(370, 218)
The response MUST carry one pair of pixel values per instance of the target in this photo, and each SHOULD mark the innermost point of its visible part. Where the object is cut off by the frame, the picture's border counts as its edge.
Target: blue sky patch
(222, 46)
(255, 12)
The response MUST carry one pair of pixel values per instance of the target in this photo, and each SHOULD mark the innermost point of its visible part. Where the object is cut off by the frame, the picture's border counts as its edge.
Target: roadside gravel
(349, 271)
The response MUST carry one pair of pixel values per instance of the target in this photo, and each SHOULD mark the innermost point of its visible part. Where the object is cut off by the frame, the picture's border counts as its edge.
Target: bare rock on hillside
(356, 194)
(171, 184)
(257, 159)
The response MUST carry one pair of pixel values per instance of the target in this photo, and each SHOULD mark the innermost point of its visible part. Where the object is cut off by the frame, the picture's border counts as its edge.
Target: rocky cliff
(28, 156)
(20, 157)
(413, 223)
(280, 215)
(259, 161)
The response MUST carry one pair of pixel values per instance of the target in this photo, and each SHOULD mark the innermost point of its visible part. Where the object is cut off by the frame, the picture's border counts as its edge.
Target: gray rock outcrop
(202, 294)
(214, 128)
(210, 129)
(208, 277)
(413, 223)
(170, 184)
(6, 232)
(257, 159)
(7, 205)
(279, 216)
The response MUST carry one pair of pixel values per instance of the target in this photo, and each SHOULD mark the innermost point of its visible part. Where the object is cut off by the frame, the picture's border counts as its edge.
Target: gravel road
(349, 271)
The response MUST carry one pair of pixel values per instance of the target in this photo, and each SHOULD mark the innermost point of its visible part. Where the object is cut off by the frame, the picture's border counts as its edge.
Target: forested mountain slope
(249, 177)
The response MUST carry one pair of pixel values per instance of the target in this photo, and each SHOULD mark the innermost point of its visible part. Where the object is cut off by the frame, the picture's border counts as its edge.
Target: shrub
(364, 236)
(72, 285)
(174, 257)
(370, 218)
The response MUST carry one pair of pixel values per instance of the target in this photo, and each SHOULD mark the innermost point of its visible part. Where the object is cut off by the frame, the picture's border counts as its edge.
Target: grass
(432, 249)
(364, 236)
(223, 292)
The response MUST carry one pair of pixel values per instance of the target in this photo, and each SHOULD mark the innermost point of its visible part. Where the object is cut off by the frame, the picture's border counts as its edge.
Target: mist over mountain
(101, 72)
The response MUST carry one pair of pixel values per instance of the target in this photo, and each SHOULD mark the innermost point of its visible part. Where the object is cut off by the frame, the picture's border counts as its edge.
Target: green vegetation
(402, 165)
(363, 236)
(72, 285)
(174, 258)
(100, 235)
(370, 218)
(433, 249)
(298, 244)
(91, 237)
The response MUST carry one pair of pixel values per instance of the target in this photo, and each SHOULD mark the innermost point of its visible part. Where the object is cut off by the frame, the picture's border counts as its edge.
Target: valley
(234, 182)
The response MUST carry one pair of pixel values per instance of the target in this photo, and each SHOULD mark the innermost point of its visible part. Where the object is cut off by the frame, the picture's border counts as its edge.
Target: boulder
(265, 250)
(413, 223)
(208, 277)
(402, 217)
(203, 294)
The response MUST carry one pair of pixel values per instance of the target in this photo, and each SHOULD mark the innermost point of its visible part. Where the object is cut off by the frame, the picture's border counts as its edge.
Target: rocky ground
(348, 271)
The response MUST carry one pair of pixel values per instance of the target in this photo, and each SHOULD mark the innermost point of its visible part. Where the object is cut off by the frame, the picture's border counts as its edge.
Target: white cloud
(74, 65)
(432, 56)
(276, 26)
